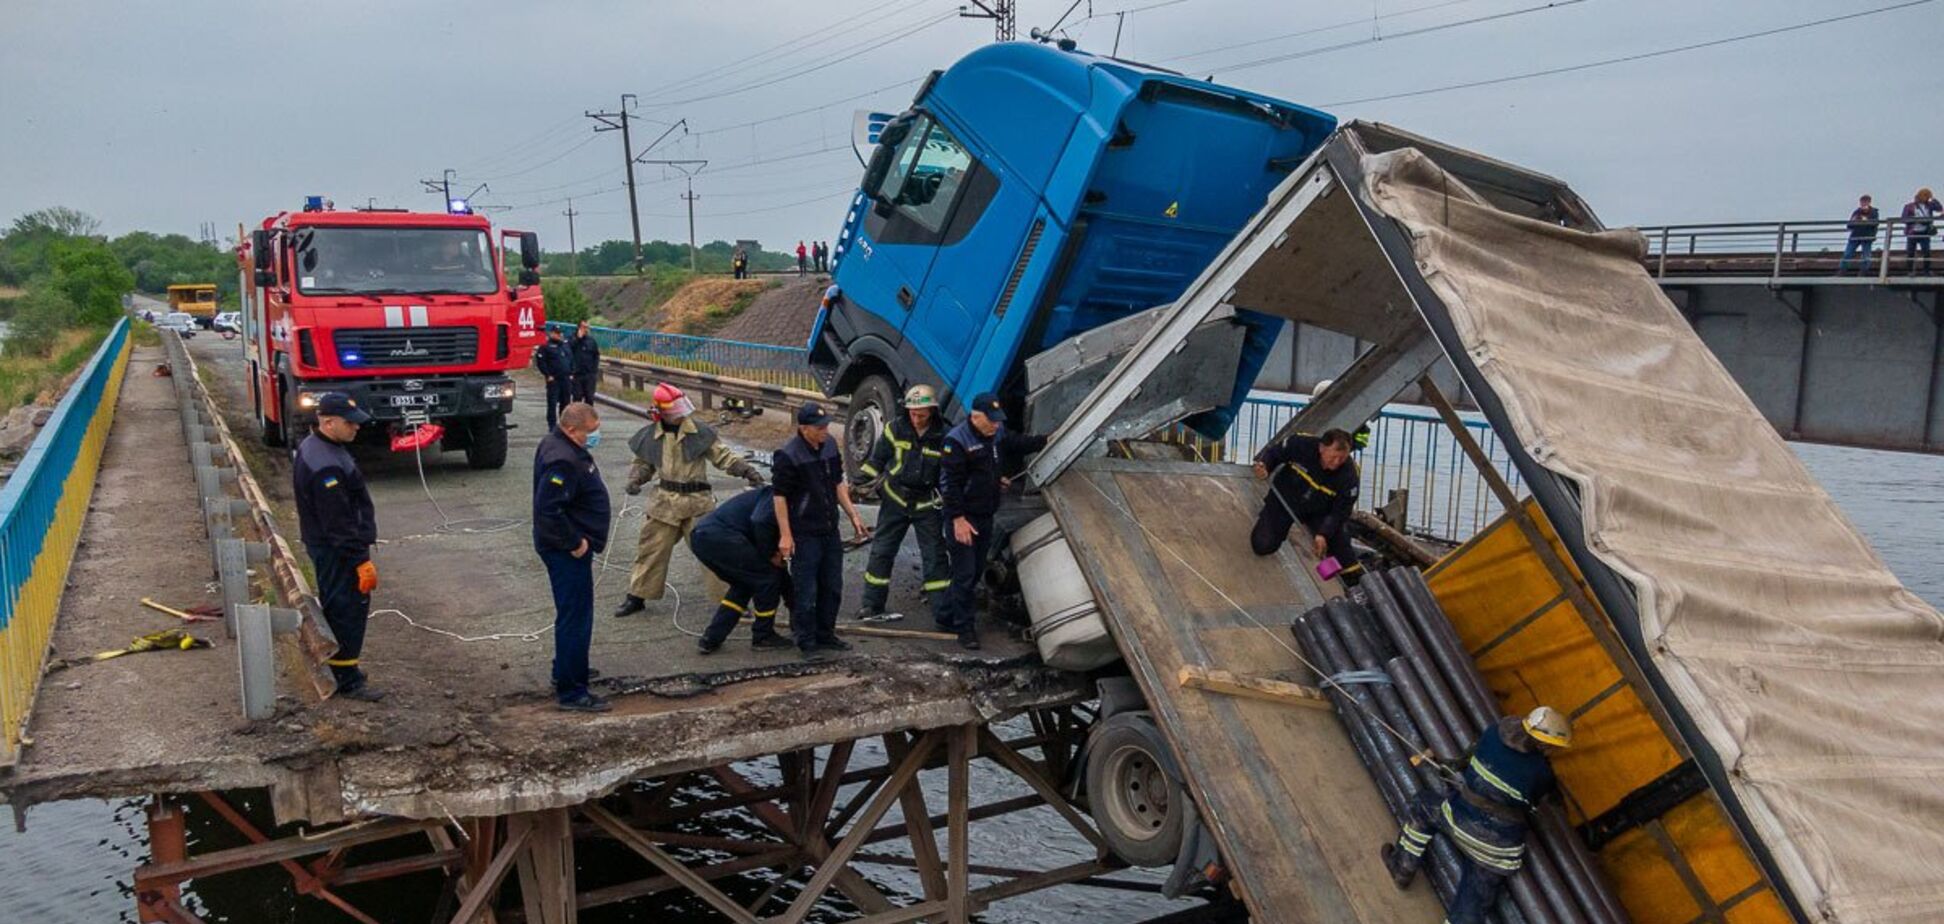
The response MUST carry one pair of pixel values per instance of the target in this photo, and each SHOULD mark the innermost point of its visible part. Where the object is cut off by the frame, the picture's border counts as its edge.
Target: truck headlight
(502, 391)
(306, 401)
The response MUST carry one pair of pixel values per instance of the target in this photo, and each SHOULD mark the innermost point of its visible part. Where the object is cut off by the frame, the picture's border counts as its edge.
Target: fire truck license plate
(414, 400)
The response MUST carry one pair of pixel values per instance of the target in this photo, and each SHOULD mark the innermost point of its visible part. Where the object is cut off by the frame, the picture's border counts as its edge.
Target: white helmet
(1547, 725)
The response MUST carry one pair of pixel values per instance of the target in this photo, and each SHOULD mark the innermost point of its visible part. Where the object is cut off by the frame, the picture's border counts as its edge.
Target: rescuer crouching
(680, 451)
(737, 542)
(906, 456)
(338, 526)
(1486, 815)
(1312, 481)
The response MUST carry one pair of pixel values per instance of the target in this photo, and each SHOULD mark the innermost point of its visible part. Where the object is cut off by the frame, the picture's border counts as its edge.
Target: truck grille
(406, 346)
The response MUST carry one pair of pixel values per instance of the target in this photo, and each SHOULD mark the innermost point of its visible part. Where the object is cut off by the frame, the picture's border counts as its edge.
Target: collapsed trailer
(1758, 702)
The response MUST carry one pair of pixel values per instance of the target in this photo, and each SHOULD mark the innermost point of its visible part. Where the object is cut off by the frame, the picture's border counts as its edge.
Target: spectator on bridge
(587, 364)
(570, 527)
(803, 258)
(1862, 237)
(1917, 234)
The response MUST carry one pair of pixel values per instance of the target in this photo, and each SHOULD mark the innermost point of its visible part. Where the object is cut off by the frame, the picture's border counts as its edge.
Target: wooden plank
(1229, 683)
(1165, 548)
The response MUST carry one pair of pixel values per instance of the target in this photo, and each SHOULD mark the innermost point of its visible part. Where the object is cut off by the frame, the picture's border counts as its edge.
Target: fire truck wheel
(487, 447)
(1135, 800)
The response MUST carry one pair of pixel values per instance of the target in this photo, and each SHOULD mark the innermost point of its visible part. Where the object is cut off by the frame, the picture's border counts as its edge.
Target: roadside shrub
(566, 302)
(39, 317)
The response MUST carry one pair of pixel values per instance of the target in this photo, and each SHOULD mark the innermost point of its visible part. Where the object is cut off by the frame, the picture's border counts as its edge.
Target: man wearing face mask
(334, 515)
(570, 527)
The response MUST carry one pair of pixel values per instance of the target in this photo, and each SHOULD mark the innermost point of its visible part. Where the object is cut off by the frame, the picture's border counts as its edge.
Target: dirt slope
(780, 315)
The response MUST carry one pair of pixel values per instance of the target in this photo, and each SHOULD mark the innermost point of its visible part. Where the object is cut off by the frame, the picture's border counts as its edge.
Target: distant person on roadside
(555, 363)
(823, 256)
(1917, 234)
(803, 258)
(810, 490)
(337, 525)
(1862, 237)
(680, 451)
(587, 364)
(570, 527)
(739, 263)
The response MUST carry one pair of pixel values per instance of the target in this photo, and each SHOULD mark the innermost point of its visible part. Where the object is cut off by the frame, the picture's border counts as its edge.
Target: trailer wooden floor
(1297, 817)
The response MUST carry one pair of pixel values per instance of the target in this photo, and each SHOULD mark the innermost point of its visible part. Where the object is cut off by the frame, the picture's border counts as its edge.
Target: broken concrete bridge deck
(467, 727)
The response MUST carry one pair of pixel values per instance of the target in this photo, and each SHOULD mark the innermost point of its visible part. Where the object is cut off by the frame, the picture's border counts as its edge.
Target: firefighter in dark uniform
(1486, 816)
(810, 488)
(906, 456)
(570, 527)
(555, 363)
(969, 487)
(1313, 482)
(338, 526)
(738, 542)
(586, 354)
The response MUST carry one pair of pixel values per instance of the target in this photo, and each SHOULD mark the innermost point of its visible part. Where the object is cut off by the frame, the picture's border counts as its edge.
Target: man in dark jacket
(738, 543)
(1862, 237)
(587, 364)
(338, 527)
(906, 457)
(1917, 234)
(810, 488)
(1313, 482)
(555, 362)
(570, 527)
(969, 488)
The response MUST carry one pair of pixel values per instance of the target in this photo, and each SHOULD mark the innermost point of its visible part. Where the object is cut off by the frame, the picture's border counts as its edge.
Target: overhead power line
(775, 53)
(837, 57)
(1408, 33)
(1626, 59)
(1316, 30)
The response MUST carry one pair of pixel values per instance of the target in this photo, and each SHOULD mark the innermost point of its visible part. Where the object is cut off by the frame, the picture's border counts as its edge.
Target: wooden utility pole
(618, 121)
(573, 250)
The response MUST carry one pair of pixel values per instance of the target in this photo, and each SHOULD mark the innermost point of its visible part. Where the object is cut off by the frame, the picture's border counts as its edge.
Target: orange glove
(367, 577)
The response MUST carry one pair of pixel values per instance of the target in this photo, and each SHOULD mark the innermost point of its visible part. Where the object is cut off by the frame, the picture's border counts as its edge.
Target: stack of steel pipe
(1447, 699)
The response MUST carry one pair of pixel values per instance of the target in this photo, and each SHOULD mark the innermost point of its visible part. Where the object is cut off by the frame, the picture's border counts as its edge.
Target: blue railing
(756, 362)
(41, 511)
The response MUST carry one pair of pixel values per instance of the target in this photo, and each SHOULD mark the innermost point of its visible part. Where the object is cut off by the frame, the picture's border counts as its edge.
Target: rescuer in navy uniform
(555, 362)
(587, 363)
(738, 542)
(1312, 481)
(338, 526)
(570, 527)
(1486, 815)
(810, 487)
(969, 486)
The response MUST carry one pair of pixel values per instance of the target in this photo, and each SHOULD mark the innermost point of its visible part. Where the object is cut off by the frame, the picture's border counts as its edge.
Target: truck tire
(871, 405)
(487, 447)
(1133, 796)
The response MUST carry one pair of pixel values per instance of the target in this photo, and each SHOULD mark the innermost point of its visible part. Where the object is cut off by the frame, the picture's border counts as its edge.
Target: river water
(73, 862)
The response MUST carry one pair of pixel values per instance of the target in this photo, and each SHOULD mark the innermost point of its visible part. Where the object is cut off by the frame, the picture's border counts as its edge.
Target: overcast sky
(164, 115)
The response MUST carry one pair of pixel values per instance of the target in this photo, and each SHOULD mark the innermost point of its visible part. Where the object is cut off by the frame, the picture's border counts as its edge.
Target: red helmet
(666, 394)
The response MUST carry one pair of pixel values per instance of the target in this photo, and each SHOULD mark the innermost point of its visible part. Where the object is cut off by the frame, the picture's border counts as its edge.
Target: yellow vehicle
(198, 299)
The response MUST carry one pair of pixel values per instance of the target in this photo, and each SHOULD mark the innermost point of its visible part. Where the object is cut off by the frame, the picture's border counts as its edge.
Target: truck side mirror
(263, 257)
(530, 255)
(529, 277)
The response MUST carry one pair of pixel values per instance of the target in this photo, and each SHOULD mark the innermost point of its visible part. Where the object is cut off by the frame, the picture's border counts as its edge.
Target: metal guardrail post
(256, 661)
(1661, 272)
(1781, 235)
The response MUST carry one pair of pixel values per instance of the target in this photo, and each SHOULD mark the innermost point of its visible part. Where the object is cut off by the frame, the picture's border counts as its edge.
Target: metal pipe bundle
(1559, 873)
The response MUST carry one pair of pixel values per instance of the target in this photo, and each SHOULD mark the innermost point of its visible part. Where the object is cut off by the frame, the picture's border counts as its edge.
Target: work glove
(367, 577)
(755, 478)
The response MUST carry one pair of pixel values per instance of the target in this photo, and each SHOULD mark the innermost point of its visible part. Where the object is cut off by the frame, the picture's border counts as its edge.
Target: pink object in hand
(1329, 568)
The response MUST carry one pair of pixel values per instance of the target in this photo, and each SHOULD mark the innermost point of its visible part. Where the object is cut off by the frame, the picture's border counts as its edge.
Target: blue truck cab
(1030, 193)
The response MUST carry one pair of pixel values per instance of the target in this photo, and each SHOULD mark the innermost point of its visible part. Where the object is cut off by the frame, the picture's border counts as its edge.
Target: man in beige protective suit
(675, 452)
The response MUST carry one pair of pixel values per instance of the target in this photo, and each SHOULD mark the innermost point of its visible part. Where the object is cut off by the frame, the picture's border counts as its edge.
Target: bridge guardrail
(41, 511)
(769, 364)
(1776, 250)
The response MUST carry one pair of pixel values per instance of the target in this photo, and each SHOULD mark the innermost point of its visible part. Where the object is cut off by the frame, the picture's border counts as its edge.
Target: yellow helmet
(1550, 727)
(921, 396)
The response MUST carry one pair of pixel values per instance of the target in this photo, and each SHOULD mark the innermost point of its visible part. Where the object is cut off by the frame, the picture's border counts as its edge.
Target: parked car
(228, 322)
(182, 322)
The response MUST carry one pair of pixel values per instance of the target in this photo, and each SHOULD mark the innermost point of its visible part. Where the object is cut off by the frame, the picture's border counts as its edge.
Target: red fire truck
(415, 315)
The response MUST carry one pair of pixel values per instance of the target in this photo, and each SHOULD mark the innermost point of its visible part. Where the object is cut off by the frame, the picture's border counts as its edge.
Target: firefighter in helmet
(906, 458)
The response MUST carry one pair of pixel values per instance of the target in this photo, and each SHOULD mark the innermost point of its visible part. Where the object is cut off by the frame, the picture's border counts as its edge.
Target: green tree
(38, 319)
(92, 278)
(565, 301)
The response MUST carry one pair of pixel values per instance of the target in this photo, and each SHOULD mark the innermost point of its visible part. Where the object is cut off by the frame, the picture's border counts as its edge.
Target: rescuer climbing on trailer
(1486, 815)
(1311, 481)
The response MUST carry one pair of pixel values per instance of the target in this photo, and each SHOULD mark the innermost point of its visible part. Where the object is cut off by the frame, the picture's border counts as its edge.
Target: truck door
(932, 192)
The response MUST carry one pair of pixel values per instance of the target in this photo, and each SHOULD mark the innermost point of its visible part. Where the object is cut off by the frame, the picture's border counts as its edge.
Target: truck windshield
(926, 172)
(373, 261)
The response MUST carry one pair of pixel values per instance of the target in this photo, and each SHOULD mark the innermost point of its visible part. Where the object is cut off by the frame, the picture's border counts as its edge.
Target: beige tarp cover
(1812, 673)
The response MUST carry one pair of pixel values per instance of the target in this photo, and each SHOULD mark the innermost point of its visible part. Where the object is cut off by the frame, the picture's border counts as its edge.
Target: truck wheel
(1134, 799)
(487, 447)
(871, 406)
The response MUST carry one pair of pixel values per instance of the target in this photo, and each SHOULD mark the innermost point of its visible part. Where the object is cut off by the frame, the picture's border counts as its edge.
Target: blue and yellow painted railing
(41, 511)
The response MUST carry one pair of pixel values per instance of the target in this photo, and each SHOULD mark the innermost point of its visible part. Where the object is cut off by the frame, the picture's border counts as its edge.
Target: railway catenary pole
(618, 122)
(573, 249)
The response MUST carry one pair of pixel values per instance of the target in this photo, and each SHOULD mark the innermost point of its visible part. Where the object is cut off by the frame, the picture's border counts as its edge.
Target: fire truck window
(398, 260)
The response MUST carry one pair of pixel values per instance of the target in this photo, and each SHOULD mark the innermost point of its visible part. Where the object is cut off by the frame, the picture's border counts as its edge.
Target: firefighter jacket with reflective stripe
(1502, 783)
(681, 456)
(1320, 499)
(908, 461)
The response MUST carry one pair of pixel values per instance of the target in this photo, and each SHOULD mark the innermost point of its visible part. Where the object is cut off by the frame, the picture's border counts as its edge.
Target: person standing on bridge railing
(906, 457)
(570, 527)
(680, 451)
(338, 526)
(1862, 237)
(1917, 234)
(586, 353)
(555, 363)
